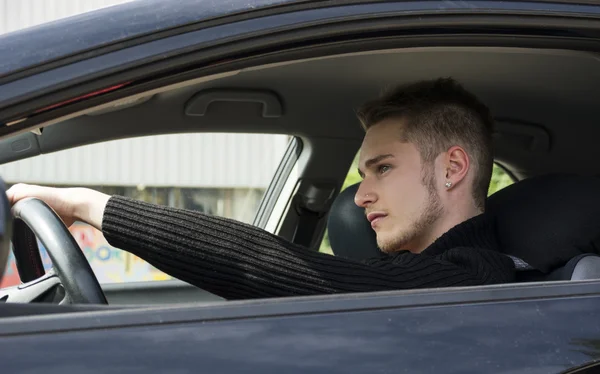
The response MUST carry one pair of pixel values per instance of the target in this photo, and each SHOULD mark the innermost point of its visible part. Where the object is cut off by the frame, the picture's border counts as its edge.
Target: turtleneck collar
(477, 232)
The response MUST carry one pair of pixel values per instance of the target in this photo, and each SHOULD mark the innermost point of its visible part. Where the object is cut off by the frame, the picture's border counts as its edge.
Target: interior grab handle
(199, 103)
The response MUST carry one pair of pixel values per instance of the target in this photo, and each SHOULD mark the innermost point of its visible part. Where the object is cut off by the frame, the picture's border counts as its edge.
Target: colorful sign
(110, 265)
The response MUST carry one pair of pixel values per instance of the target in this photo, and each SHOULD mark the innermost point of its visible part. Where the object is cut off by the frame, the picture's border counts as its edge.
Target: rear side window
(500, 179)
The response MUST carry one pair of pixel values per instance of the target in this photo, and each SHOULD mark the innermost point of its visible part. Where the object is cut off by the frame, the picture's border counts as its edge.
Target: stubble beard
(421, 225)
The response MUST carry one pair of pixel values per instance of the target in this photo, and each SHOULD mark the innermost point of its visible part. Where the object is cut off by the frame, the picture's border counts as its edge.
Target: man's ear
(457, 165)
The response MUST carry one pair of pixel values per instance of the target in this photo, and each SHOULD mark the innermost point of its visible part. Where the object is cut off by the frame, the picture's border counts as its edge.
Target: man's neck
(442, 226)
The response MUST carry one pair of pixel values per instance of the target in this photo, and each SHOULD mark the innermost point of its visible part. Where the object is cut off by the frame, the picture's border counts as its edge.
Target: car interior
(543, 101)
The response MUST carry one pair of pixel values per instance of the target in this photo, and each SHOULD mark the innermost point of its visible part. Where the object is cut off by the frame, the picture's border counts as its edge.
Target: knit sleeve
(239, 261)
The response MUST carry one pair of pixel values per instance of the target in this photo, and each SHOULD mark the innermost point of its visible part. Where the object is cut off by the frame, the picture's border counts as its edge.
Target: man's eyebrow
(374, 161)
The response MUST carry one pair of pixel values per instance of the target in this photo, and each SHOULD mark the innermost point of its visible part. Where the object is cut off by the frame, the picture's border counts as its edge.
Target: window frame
(184, 291)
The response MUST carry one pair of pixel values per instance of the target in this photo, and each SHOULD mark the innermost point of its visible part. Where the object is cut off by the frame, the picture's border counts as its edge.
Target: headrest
(548, 220)
(350, 234)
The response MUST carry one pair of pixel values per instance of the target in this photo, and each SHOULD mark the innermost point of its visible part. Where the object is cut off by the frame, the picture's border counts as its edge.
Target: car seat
(548, 225)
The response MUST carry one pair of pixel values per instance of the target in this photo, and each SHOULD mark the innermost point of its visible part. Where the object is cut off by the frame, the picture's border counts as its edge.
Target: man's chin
(394, 241)
(388, 245)
(388, 251)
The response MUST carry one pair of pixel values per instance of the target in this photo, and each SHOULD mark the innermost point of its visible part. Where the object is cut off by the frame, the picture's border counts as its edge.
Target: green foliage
(352, 177)
(500, 179)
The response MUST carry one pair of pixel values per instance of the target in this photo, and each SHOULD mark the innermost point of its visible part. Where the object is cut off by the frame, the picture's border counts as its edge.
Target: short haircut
(438, 114)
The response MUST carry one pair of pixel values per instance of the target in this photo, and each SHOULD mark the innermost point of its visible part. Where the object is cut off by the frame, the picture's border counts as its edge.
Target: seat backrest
(548, 221)
(551, 223)
(582, 267)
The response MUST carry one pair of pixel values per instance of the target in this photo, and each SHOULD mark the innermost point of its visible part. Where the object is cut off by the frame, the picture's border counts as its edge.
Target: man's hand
(71, 204)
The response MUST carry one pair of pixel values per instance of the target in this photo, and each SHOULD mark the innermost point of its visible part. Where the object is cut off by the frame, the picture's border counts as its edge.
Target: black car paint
(83, 32)
(523, 333)
(326, 335)
(116, 25)
(46, 81)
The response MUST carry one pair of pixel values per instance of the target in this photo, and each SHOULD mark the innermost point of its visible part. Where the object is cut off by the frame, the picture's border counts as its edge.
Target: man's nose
(364, 196)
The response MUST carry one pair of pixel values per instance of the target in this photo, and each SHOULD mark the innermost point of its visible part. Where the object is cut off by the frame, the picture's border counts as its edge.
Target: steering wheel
(71, 279)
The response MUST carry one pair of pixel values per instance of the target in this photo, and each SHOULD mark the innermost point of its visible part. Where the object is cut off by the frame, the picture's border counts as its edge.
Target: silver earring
(448, 184)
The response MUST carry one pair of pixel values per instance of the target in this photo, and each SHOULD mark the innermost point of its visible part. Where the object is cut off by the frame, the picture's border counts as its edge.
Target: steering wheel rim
(69, 263)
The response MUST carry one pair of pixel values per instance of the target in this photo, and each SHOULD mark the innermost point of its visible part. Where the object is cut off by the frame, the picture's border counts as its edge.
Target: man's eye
(383, 168)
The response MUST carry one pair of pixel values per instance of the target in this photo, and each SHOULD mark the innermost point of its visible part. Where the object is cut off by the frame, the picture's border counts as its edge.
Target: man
(426, 163)
(433, 132)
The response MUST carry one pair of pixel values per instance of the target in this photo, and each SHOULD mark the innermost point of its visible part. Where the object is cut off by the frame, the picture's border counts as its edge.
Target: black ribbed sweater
(239, 261)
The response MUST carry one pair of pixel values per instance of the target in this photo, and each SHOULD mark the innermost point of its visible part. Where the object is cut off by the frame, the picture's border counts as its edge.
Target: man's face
(398, 195)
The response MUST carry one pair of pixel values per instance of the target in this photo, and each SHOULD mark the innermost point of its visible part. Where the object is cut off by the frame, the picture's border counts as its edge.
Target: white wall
(181, 160)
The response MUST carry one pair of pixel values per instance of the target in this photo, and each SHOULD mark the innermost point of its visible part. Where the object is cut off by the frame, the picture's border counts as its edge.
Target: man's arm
(236, 261)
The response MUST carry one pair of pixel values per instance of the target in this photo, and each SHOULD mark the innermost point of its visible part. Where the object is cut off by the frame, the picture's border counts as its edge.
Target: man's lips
(375, 217)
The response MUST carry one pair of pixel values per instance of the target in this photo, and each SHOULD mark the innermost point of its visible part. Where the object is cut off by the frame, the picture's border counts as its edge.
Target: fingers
(69, 203)
(21, 191)
(17, 192)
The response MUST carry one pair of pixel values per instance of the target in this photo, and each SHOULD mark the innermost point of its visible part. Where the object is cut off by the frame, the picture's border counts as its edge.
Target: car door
(493, 329)
(510, 328)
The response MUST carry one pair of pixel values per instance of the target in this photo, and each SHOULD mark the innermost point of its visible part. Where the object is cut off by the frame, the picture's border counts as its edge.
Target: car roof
(113, 27)
(109, 26)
